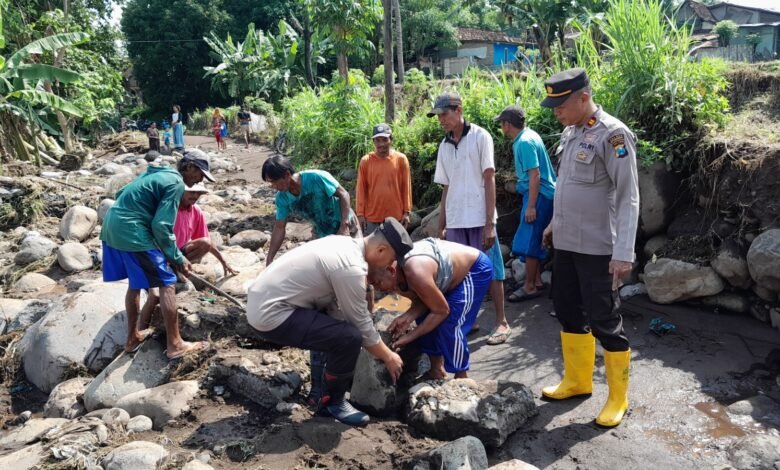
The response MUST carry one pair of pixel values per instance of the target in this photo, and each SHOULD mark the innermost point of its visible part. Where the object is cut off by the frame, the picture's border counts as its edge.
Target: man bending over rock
(192, 238)
(447, 282)
(314, 297)
(139, 245)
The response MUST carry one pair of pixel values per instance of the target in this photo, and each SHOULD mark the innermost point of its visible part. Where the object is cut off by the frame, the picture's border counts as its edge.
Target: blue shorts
(528, 238)
(144, 269)
(449, 338)
(473, 237)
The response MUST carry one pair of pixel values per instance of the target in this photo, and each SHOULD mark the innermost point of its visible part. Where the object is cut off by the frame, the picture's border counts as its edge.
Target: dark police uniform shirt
(596, 209)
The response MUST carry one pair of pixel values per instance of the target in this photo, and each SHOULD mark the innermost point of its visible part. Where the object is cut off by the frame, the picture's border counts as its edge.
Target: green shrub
(378, 77)
(726, 31)
(258, 105)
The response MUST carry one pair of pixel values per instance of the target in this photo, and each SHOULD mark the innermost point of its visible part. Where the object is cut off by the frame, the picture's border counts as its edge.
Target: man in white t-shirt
(466, 171)
(314, 297)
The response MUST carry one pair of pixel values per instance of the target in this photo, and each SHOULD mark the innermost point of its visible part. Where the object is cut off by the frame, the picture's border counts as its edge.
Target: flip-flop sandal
(498, 338)
(520, 295)
(198, 346)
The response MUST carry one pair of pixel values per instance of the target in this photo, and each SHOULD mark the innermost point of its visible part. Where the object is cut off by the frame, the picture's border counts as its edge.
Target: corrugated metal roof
(472, 34)
(766, 5)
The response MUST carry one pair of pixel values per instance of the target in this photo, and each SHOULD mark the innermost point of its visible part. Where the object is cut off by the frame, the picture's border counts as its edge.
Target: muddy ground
(680, 384)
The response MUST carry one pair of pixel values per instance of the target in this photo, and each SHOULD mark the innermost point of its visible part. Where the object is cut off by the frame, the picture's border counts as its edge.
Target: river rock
(414, 221)
(632, 290)
(490, 410)
(518, 270)
(729, 301)
(763, 293)
(730, 263)
(103, 208)
(26, 458)
(653, 245)
(251, 239)
(759, 407)
(262, 380)
(29, 432)
(463, 453)
(298, 232)
(74, 257)
(162, 403)
(197, 465)
(34, 282)
(128, 374)
(514, 464)
(117, 182)
(763, 260)
(755, 451)
(137, 455)
(18, 314)
(372, 389)
(239, 284)
(669, 280)
(86, 328)
(429, 226)
(66, 400)
(216, 240)
(139, 423)
(116, 417)
(111, 168)
(77, 224)
(658, 188)
(34, 248)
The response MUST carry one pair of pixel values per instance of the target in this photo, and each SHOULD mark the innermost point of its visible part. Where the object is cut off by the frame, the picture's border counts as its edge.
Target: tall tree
(387, 37)
(351, 24)
(399, 39)
(165, 45)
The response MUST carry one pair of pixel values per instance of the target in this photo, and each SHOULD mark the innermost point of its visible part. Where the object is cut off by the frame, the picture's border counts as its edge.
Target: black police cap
(560, 86)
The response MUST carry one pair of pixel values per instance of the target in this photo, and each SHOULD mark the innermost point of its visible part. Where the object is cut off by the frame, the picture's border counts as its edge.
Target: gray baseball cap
(381, 130)
(444, 103)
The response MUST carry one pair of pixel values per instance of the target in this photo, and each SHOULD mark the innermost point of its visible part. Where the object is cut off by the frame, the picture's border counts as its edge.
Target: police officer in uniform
(594, 225)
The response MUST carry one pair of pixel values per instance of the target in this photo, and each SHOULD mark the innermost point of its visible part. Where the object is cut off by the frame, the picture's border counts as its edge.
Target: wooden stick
(216, 289)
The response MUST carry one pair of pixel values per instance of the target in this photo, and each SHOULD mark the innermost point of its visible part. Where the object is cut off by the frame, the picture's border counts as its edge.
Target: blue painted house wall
(504, 53)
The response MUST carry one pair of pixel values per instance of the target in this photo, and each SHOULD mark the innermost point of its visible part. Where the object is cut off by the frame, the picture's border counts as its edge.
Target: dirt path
(250, 160)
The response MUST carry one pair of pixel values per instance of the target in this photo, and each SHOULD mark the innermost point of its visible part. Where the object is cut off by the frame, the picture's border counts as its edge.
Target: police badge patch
(618, 142)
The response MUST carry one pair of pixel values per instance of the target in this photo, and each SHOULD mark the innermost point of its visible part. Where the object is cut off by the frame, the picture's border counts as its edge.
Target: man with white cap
(139, 245)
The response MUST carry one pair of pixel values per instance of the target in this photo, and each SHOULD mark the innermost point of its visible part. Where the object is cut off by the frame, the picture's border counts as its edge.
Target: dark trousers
(310, 329)
(584, 300)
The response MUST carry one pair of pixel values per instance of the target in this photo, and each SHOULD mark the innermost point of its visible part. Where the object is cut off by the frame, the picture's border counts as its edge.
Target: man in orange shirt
(384, 183)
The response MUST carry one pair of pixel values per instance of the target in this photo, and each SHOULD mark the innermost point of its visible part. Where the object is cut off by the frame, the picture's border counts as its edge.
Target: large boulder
(298, 232)
(16, 314)
(463, 453)
(653, 245)
(34, 282)
(490, 410)
(658, 188)
(86, 328)
(128, 374)
(25, 458)
(74, 257)
(258, 375)
(669, 280)
(373, 390)
(429, 226)
(136, 455)
(103, 208)
(117, 182)
(730, 263)
(77, 224)
(162, 403)
(514, 464)
(67, 399)
(251, 239)
(34, 247)
(763, 260)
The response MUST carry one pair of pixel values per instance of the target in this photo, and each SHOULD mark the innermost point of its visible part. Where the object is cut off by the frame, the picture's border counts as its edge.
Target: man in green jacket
(139, 244)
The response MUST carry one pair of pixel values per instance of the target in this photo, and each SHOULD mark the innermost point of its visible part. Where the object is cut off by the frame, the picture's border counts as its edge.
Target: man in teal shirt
(139, 244)
(536, 183)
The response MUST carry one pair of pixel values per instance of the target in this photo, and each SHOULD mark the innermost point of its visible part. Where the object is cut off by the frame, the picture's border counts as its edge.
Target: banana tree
(22, 90)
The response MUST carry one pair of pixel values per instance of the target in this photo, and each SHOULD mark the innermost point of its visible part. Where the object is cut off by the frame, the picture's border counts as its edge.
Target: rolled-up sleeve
(349, 285)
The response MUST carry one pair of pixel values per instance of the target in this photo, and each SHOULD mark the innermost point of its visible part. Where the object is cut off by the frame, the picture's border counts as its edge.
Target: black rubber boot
(336, 405)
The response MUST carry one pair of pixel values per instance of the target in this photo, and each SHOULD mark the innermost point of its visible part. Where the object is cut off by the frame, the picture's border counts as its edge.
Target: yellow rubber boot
(579, 355)
(617, 366)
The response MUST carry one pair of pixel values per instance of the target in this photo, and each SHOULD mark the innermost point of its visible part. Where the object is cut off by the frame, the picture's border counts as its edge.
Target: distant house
(761, 17)
(489, 49)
